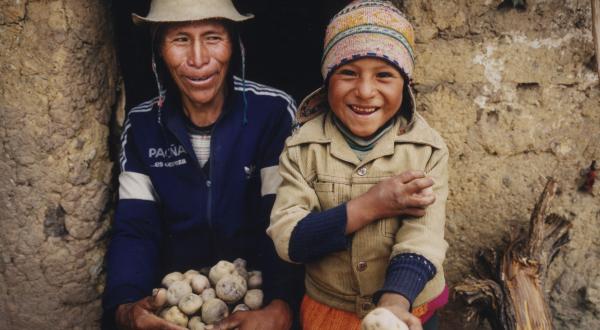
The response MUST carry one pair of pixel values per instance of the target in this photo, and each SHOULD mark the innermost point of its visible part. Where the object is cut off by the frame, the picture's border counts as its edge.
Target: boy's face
(364, 94)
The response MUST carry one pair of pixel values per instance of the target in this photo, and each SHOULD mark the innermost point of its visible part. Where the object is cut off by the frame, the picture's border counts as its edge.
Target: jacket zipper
(211, 169)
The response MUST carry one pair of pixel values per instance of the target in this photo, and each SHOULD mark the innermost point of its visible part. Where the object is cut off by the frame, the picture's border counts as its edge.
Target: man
(199, 169)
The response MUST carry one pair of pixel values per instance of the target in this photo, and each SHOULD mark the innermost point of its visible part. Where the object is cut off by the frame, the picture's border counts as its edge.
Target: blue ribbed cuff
(319, 234)
(407, 275)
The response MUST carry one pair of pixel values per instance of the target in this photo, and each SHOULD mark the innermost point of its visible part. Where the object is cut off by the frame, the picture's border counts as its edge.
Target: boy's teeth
(361, 109)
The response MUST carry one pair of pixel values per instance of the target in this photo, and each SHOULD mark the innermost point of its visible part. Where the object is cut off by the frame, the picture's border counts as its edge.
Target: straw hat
(164, 11)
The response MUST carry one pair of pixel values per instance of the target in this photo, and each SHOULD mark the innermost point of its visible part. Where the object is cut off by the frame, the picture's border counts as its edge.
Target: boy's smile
(365, 94)
(359, 110)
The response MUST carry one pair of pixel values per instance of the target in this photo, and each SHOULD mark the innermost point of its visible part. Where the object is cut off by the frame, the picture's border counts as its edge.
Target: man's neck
(204, 114)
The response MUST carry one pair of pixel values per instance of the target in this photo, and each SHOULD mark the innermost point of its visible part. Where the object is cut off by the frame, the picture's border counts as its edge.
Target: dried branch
(509, 292)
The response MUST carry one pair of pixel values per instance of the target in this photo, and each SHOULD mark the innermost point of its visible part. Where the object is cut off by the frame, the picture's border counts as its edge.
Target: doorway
(284, 43)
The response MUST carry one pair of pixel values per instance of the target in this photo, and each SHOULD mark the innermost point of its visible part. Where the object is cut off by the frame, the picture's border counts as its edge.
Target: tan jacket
(320, 172)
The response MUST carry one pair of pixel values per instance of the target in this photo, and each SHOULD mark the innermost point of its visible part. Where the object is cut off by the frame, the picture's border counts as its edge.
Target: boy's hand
(400, 306)
(408, 193)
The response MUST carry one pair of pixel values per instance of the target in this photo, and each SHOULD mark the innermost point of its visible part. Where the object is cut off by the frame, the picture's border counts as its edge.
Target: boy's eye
(347, 72)
(385, 74)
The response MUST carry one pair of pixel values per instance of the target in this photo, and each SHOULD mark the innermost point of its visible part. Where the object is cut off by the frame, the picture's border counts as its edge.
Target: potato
(241, 308)
(208, 294)
(190, 304)
(174, 315)
(170, 278)
(199, 283)
(254, 299)
(214, 310)
(219, 270)
(242, 272)
(231, 288)
(382, 319)
(196, 324)
(189, 274)
(178, 290)
(204, 271)
(255, 279)
(239, 263)
(160, 296)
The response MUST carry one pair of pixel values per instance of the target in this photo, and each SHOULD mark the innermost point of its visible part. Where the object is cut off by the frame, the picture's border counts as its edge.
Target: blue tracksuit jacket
(172, 216)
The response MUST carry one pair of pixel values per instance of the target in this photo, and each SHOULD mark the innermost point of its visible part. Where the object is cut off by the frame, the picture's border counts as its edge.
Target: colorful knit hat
(364, 28)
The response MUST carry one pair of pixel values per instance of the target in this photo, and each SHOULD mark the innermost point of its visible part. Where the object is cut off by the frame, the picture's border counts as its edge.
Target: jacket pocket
(326, 193)
(323, 186)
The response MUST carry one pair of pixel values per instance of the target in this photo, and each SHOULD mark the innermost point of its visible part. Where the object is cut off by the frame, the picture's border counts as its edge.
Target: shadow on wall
(283, 45)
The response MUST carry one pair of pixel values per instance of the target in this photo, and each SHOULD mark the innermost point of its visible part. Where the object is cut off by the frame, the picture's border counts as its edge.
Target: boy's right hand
(408, 193)
(400, 307)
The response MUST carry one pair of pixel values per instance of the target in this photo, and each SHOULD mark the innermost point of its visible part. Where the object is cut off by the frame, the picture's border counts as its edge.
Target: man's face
(197, 55)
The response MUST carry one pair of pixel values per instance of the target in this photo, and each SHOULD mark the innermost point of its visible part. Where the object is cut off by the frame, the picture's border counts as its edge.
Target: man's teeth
(363, 109)
(198, 79)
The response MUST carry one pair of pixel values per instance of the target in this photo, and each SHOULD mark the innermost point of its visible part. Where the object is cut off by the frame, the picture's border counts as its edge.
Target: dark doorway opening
(283, 45)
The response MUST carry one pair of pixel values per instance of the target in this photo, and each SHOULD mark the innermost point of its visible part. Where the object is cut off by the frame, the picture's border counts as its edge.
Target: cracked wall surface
(517, 99)
(57, 89)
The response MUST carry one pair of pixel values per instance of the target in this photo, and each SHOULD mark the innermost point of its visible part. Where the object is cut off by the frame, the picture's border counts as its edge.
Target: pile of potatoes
(196, 299)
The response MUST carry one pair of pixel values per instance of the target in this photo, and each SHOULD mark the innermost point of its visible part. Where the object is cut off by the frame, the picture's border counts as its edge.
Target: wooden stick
(509, 292)
(536, 223)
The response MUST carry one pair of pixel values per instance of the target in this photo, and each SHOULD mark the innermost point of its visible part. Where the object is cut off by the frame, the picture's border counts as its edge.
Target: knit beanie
(364, 28)
(369, 28)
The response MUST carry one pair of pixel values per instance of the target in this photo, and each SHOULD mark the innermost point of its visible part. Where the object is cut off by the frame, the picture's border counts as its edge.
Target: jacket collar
(322, 130)
(173, 118)
(175, 123)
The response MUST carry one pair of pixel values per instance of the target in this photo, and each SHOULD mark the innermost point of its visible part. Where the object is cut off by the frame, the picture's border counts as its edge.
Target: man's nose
(199, 55)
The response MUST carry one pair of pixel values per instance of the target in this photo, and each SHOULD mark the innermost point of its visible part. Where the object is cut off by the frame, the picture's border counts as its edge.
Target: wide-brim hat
(167, 11)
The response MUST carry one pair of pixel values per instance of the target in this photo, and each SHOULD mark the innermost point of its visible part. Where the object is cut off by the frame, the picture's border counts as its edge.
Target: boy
(362, 202)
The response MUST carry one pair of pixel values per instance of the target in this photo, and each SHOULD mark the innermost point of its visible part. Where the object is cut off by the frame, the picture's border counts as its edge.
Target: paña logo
(172, 151)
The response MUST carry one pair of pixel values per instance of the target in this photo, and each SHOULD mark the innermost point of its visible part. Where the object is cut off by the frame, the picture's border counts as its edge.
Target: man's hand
(400, 306)
(408, 193)
(275, 316)
(140, 315)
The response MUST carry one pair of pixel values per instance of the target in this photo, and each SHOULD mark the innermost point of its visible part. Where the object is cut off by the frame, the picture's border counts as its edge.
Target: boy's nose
(199, 55)
(365, 89)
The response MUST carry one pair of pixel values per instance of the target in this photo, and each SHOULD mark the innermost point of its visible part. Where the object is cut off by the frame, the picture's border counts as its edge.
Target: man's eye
(214, 38)
(180, 39)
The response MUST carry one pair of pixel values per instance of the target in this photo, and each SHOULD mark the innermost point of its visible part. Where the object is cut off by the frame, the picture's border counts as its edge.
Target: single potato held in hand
(382, 319)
